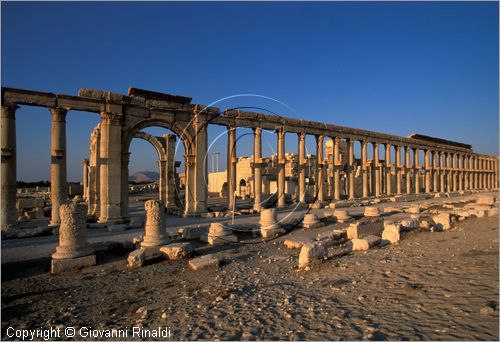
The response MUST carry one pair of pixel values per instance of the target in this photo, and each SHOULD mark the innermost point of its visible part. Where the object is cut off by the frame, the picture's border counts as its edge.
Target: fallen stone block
(409, 224)
(442, 220)
(335, 234)
(312, 251)
(371, 212)
(296, 242)
(364, 228)
(204, 261)
(193, 233)
(485, 200)
(177, 250)
(493, 212)
(413, 210)
(426, 221)
(136, 258)
(364, 244)
(391, 234)
(65, 265)
(391, 210)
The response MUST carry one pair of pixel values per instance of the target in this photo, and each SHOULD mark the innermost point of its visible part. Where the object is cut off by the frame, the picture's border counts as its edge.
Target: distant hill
(143, 177)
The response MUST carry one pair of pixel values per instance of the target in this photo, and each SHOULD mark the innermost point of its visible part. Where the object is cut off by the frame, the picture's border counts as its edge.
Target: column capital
(301, 135)
(9, 110)
(85, 162)
(257, 130)
(112, 118)
(59, 114)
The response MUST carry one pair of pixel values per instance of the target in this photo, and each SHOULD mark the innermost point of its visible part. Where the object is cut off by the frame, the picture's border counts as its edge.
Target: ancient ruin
(447, 166)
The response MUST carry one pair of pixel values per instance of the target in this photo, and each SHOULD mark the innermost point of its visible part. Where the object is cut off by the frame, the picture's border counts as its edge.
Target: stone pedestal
(269, 225)
(372, 212)
(311, 221)
(219, 233)
(73, 251)
(155, 230)
(342, 216)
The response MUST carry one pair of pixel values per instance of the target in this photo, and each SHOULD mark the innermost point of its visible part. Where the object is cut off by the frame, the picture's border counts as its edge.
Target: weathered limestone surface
(311, 251)
(364, 228)
(391, 234)
(136, 258)
(73, 251)
(372, 212)
(296, 242)
(219, 233)
(311, 221)
(204, 261)
(269, 225)
(442, 220)
(177, 250)
(155, 230)
(363, 244)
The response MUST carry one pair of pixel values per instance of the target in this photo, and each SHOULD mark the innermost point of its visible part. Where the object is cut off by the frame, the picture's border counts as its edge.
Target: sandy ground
(432, 286)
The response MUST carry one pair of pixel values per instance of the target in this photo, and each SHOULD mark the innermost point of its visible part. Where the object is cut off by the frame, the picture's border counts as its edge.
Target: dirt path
(433, 286)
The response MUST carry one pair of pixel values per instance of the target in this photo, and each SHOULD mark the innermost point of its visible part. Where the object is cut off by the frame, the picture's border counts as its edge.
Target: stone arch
(186, 136)
(160, 150)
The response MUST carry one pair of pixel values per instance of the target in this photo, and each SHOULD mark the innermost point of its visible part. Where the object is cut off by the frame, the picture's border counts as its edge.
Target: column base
(65, 265)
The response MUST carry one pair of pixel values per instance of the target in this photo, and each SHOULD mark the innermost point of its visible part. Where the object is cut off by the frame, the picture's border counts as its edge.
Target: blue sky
(393, 67)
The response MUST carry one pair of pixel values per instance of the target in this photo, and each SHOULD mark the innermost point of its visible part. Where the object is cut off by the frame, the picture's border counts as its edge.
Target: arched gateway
(447, 166)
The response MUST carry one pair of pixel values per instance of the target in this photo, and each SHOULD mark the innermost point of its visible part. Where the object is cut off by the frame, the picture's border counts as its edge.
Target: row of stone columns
(458, 177)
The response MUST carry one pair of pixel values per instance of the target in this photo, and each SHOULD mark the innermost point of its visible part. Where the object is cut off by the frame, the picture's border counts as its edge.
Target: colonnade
(447, 166)
(442, 171)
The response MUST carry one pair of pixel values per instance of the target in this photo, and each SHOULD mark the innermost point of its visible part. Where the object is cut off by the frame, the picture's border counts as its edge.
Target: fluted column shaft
(58, 179)
(8, 172)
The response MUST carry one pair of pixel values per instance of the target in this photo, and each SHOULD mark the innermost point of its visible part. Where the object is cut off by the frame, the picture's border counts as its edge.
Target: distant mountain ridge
(144, 177)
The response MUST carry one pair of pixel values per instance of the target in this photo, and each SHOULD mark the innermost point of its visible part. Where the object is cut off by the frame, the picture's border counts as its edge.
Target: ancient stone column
(466, 172)
(496, 173)
(388, 166)
(476, 172)
(269, 225)
(111, 169)
(364, 173)
(73, 251)
(302, 167)
(398, 169)
(442, 172)
(72, 232)
(155, 230)
(427, 171)
(320, 168)
(376, 167)
(162, 180)
(8, 174)
(281, 168)
(58, 181)
(449, 168)
(336, 165)
(200, 166)
(416, 168)
(170, 172)
(124, 191)
(350, 167)
(408, 169)
(460, 172)
(454, 171)
(231, 166)
(94, 171)
(435, 171)
(257, 161)
(85, 179)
